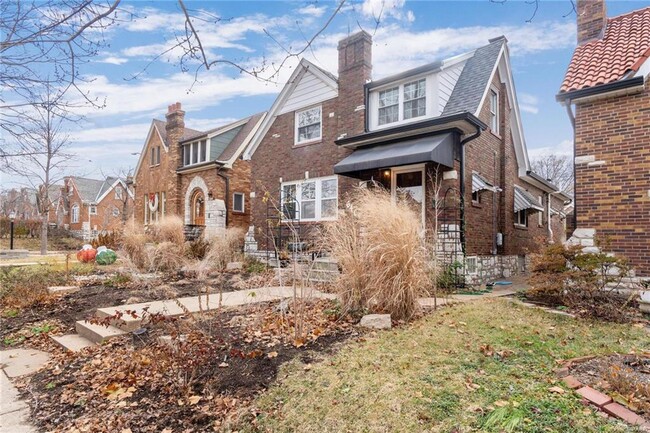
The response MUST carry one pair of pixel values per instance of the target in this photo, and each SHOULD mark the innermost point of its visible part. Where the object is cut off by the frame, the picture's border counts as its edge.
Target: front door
(198, 208)
(407, 184)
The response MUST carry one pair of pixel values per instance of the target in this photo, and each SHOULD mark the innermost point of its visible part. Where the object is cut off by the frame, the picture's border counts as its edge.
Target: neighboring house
(21, 201)
(454, 121)
(607, 83)
(197, 175)
(87, 207)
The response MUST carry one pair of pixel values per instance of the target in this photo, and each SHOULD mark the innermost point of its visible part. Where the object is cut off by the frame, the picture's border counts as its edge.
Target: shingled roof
(188, 133)
(623, 49)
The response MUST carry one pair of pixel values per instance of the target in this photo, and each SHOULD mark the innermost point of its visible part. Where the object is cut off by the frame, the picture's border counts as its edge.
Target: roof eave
(439, 124)
(621, 86)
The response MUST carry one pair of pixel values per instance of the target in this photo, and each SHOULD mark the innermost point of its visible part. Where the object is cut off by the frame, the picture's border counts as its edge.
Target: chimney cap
(173, 108)
(354, 38)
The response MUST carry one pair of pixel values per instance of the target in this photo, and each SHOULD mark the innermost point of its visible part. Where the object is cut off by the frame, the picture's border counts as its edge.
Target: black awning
(437, 148)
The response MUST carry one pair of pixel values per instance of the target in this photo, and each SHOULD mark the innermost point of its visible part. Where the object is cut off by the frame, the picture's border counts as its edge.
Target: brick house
(607, 95)
(197, 175)
(456, 121)
(87, 207)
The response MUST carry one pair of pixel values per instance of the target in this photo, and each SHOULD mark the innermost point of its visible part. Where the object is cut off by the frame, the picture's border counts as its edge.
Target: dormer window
(402, 103)
(195, 152)
(415, 99)
(389, 106)
(308, 125)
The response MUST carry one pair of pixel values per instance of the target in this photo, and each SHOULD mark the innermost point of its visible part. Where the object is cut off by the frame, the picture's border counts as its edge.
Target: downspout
(548, 218)
(227, 181)
(575, 191)
(462, 184)
(494, 211)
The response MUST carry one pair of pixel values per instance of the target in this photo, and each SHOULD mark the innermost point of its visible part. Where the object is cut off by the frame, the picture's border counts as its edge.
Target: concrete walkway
(15, 413)
(518, 284)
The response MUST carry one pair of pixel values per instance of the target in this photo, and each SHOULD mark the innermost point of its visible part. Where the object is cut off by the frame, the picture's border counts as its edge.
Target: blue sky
(411, 33)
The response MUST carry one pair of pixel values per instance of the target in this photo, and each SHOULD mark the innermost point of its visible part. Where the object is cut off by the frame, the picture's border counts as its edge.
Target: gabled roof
(475, 79)
(623, 49)
(88, 189)
(304, 66)
(188, 133)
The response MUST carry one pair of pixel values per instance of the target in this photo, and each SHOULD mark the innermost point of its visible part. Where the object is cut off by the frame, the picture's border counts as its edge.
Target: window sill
(477, 204)
(307, 143)
(497, 135)
(521, 227)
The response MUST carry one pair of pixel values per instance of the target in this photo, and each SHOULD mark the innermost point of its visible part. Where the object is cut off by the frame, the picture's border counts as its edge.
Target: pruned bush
(588, 283)
(381, 252)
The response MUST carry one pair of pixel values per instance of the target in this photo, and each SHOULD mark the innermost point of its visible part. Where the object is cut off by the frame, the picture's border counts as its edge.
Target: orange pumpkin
(86, 256)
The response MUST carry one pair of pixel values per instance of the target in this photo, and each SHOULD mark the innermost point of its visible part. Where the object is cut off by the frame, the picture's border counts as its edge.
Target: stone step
(325, 263)
(97, 333)
(62, 290)
(129, 323)
(319, 275)
(72, 342)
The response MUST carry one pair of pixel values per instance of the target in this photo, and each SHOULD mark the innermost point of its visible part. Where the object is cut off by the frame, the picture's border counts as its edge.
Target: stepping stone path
(15, 413)
(89, 334)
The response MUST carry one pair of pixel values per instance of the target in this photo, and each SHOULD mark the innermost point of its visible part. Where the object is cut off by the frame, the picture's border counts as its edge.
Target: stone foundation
(483, 269)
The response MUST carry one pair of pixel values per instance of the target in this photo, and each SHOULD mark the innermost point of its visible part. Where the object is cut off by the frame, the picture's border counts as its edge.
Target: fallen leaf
(556, 389)
(194, 399)
(272, 354)
(224, 365)
(500, 403)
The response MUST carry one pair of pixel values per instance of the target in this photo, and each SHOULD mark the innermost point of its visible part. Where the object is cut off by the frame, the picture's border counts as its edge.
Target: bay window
(311, 199)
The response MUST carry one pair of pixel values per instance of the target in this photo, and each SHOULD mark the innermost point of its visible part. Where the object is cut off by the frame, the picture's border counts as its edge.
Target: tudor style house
(606, 91)
(197, 175)
(455, 121)
(87, 207)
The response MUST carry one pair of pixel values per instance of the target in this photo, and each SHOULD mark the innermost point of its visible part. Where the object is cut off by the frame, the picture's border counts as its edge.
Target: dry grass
(382, 255)
(168, 229)
(160, 248)
(221, 251)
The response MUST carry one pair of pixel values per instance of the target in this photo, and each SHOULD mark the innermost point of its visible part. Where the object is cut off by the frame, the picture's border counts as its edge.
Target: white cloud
(312, 11)
(528, 103)
(564, 147)
(113, 60)
(382, 9)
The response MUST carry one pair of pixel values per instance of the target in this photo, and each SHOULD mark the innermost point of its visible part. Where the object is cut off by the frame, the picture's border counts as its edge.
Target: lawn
(483, 366)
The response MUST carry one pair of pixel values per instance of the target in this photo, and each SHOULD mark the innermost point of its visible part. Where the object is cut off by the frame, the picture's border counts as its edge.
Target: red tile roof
(624, 48)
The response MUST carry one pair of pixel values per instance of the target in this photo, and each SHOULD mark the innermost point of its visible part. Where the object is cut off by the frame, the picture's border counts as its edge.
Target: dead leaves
(490, 352)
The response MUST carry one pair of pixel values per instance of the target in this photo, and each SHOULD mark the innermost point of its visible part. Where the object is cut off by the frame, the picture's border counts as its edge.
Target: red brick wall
(240, 181)
(613, 198)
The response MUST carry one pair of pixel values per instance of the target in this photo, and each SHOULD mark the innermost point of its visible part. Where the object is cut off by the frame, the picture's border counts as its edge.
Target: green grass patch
(483, 366)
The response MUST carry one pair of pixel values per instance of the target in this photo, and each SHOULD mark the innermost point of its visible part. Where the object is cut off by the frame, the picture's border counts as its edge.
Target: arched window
(74, 217)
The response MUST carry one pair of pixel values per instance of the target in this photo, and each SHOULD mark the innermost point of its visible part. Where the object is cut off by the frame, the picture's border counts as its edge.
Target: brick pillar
(592, 19)
(174, 128)
(355, 69)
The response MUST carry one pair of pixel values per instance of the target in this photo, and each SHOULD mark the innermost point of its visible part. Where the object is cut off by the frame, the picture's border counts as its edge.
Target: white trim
(74, 220)
(431, 95)
(295, 126)
(303, 66)
(245, 143)
(497, 113)
(146, 144)
(118, 181)
(318, 198)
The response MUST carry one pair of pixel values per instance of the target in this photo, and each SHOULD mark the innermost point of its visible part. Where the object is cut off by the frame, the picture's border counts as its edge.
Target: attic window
(308, 125)
(415, 99)
(118, 193)
(494, 111)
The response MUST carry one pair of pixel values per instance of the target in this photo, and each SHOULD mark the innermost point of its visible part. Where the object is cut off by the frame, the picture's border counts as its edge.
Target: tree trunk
(44, 221)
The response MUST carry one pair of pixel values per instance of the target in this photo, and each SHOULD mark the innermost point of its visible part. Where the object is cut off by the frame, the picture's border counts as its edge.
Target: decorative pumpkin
(106, 257)
(86, 255)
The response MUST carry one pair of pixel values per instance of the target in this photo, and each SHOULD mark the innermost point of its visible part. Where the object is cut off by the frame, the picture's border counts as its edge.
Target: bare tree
(43, 44)
(556, 168)
(42, 152)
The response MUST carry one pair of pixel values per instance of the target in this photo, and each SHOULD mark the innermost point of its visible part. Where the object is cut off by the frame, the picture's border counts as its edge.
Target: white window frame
(540, 217)
(471, 269)
(404, 101)
(495, 120)
(118, 192)
(92, 209)
(319, 199)
(188, 148)
(517, 223)
(243, 202)
(74, 213)
(397, 104)
(295, 126)
(431, 108)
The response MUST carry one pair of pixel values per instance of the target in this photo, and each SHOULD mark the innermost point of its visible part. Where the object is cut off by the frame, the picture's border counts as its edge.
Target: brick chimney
(592, 19)
(175, 128)
(355, 69)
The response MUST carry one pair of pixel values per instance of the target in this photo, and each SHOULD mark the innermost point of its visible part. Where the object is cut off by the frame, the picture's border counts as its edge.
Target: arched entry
(198, 208)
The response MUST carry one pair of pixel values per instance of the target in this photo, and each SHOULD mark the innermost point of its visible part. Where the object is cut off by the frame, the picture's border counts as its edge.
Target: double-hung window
(74, 217)
(415, 99)
(494, 111)
(310, 200)
(388, 106)
(308, 125)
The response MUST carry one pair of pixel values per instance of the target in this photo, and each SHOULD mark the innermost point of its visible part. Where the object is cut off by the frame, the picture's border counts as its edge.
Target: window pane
(309, 117)
(308, 191)
(388, 115)
(329, 188)
(415, 108)
(308, 132)
(195, 152)
(289, 201)
(158, 155)
(308, 210)
(186, 155)
(153, 156)
(415, 99)
(239, 202)
(202, 154)
(328, 208)
(389, 97)
(414, 90)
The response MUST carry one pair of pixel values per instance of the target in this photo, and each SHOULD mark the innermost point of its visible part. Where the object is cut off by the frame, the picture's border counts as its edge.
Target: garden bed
(196, 383)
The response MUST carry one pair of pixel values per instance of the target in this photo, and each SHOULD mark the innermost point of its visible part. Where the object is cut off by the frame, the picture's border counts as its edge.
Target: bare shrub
(588, 283)
(381, 252)
(133, 244)
(220, 251)
(165, 257)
